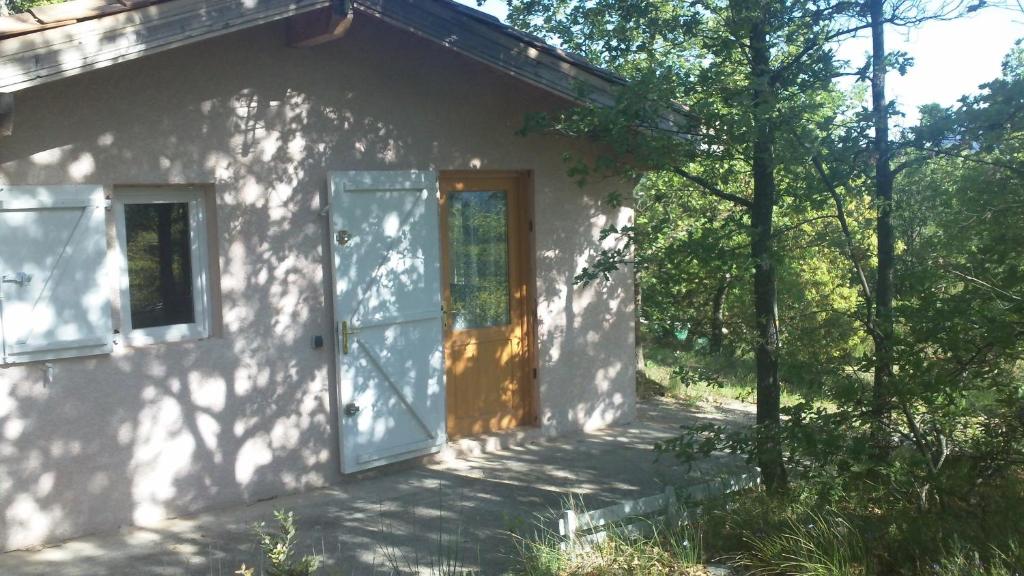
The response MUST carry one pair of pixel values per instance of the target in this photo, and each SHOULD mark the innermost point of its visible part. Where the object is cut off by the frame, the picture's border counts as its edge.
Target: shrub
(278, 548)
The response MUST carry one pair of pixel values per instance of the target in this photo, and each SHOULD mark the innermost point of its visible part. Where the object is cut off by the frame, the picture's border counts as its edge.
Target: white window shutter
(54, 298)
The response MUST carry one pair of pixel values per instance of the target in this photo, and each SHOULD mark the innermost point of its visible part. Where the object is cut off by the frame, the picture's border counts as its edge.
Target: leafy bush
(689, 375)
(278, 548)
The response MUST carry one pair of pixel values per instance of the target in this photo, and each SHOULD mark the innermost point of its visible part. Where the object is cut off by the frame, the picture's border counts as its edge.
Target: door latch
(351, 409)
(342, 237)
(346, 333)
(19, 278)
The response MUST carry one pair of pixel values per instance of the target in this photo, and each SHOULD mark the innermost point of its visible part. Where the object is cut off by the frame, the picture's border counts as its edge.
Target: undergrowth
(827, 527)
(662, 551)
(817, 529)
(697, 377)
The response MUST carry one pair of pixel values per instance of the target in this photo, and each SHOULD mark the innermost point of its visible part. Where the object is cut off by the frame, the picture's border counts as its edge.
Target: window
(162, 238)
(478, 247)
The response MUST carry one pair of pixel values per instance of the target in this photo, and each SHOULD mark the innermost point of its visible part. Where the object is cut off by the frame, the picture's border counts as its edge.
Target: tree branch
(952, 154)
(837, 199)
(781, 231)
(712, 189)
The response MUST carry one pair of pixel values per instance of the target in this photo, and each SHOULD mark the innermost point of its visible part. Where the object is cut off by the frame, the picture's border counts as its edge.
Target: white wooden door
(54, 295)
(387, 306)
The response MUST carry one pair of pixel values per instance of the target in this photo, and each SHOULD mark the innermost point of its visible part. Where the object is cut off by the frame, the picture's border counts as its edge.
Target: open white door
(387, 307)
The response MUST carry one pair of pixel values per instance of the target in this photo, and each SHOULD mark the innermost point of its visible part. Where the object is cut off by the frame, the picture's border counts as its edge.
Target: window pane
(478, 249)
(159, 264)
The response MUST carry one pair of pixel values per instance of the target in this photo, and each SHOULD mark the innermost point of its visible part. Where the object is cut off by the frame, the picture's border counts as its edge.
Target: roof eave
(52, 54)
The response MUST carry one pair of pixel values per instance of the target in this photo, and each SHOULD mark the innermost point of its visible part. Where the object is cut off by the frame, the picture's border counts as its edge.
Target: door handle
(346, 332)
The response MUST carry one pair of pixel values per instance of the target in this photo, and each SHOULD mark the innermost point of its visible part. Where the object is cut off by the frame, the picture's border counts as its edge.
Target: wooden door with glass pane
(485, 246)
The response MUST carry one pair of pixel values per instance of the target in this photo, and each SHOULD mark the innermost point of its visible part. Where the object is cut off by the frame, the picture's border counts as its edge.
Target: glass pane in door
(478, 259)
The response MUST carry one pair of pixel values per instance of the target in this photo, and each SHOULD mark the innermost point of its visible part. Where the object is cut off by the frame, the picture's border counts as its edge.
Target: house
(253, 247)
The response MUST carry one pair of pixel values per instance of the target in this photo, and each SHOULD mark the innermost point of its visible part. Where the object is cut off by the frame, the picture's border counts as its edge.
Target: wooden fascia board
(69, 50)
(479, 41)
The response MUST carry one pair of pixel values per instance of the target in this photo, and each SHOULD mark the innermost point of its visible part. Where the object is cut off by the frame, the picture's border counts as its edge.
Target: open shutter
(54, 298)
(387, 305)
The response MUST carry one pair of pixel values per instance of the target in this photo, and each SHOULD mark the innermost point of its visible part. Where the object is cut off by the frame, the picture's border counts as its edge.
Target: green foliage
(958, 387)
(828, 524)
(953, 408)
(697, 377)
(278, 547)
(825, 546)
(16, 6)
(962, 561)
(727, 175)
(831, 525)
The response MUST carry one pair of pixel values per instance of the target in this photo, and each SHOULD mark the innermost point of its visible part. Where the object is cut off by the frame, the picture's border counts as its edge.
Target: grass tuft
(661, 550)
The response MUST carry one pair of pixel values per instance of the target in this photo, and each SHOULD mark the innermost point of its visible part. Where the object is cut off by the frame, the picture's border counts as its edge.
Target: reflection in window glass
(478, 258)
(159, 264)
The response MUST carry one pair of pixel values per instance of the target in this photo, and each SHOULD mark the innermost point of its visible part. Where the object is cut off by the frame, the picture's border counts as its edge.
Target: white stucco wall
(249, 413)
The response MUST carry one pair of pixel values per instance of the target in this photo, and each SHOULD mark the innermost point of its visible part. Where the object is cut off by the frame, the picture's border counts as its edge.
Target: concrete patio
(445, 517)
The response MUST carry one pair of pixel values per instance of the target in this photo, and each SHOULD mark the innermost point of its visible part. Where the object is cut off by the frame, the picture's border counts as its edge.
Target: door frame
(526, 260)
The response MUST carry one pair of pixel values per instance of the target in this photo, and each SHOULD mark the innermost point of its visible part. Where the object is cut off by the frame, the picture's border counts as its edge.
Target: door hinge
(534, 373)
(19, 278)
(530, 226)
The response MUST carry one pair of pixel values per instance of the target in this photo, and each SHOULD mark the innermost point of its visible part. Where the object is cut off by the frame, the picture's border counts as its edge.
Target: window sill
(163, 335)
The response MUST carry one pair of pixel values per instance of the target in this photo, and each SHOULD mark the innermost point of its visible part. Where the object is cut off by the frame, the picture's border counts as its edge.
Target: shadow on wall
(591, 323)
(251, 412)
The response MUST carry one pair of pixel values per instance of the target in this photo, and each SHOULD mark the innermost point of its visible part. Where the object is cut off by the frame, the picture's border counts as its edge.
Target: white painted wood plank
(720, 487)
(638, 517)
(623, 510)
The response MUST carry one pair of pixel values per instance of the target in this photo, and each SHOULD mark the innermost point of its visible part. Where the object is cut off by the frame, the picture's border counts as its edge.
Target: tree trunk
(884, 328)
(641, 364)
(718, 315)
(165, 255)
(769, 442)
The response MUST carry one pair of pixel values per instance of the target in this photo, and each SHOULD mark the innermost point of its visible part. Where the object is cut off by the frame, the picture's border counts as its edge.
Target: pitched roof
(61, 40)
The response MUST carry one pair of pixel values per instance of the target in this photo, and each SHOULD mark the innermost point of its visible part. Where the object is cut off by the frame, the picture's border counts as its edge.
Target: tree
(744, 71)
(881, 323)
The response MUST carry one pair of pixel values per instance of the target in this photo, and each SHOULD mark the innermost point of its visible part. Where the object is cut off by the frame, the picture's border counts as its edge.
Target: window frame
(199, 242)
